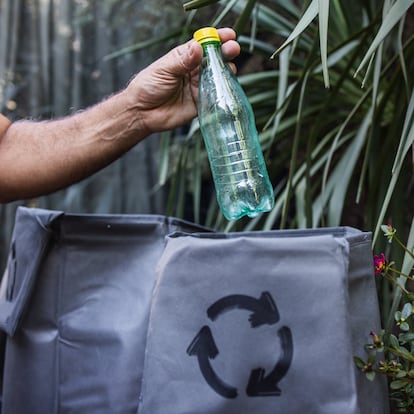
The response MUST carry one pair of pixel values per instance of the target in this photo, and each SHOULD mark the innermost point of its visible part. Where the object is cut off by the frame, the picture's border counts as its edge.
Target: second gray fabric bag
(265, 322)
(75, 304)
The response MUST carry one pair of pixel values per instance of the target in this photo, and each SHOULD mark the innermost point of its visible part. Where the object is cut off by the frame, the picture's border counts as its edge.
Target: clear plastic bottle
(228, 127)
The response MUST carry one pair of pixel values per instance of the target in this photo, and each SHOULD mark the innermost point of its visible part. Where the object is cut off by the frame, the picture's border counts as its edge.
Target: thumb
(184, 58)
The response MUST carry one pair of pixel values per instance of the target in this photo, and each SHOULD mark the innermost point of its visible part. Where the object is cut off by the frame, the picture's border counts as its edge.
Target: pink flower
(379, 263)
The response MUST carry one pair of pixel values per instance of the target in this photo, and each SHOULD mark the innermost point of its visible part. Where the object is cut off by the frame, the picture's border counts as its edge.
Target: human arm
(41, 157)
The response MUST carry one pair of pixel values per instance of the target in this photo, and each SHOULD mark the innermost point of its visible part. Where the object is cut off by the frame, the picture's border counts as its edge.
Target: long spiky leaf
(323, 38)
(307, 18)
(407, 137)
(196, 4)
(244, 17)
(395, 14)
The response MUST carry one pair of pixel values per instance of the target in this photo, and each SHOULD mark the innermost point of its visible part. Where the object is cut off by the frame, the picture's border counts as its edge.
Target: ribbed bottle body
(231, 139)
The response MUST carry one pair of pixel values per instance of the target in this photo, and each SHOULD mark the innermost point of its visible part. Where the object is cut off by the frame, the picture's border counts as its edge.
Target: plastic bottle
(228, 127)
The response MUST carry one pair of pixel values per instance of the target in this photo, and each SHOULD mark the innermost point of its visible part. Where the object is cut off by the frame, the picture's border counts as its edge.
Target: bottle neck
(210, 45)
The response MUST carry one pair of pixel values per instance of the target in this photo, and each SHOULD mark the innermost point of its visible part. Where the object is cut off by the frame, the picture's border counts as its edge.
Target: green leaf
(307, 18)
(142, 45)
(406, 337)
(370, 375)
(372, 358)
(196, 4)
(282, 88)
(400, 49)
(224, 13)
(164, 152)
(398, 384)
(394, 342)
(343, 172)
(407, 136)
(339, 54)
(408, 261)
(395, 14)
(406, 311)
(407, 266)
(323, 38)
(405, 354)
(359, 362)
(295, 148)
(244, 16)
(401, 374)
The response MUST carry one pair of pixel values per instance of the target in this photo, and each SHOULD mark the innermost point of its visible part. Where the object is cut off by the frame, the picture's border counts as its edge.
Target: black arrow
(204, 348)
(261, 386)
(264, 309)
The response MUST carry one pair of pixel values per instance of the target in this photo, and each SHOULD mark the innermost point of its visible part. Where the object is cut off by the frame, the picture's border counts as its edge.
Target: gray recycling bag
(75, 302)
(264, 322)
(132, 314)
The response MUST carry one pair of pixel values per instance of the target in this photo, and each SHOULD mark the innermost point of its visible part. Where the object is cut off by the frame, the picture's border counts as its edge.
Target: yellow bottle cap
(206, 34)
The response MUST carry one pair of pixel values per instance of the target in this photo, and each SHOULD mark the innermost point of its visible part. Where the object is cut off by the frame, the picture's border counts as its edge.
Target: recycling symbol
(263, 311)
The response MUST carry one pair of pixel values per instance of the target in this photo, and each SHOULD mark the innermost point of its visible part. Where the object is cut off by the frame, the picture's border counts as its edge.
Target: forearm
(41, 157)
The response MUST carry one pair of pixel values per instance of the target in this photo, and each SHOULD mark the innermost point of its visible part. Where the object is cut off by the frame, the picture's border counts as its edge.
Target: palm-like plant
(333, 99)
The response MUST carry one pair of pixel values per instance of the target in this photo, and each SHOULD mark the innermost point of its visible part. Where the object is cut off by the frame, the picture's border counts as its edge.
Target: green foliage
(391, 352)
(331, 86)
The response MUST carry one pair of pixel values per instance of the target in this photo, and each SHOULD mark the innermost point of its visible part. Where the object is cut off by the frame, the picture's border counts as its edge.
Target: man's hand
(165, 93)
(37, 158)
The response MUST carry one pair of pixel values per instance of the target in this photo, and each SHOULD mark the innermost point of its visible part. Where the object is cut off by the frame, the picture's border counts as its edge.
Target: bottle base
(240, 209)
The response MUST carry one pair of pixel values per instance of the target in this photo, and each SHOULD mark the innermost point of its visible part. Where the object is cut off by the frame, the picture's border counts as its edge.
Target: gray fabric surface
(204, 353)
(140, 314)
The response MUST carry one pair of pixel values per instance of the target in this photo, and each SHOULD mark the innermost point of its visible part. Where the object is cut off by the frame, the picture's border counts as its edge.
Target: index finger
(230, 47)
(226, 34)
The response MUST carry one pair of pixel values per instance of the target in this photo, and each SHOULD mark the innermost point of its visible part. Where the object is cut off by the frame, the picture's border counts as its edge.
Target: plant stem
(403, 246)
(400, 274)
